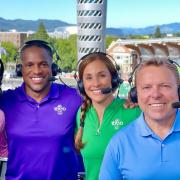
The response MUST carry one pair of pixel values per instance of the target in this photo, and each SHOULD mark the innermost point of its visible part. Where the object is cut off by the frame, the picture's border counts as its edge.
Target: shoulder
(9, 93)
(119, 101)
(178, 112)
(13, 92)
(69, 93)
(134, 112)
(65, 89)
(78, 116)
(125, 134)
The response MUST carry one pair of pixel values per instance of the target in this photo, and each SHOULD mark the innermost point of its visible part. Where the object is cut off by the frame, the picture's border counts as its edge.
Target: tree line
(66, 48)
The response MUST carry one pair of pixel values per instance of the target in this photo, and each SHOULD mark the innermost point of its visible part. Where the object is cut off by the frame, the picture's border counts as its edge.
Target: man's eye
(44, 65)
(146, 87)
(166, 86)
(28, 65)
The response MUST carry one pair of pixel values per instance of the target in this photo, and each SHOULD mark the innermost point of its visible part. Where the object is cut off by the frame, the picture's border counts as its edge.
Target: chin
(158, 117)
(99, 101)
(38, 88)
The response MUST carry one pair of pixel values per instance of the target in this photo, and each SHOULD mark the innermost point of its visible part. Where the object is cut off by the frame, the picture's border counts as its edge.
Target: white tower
(91, 22)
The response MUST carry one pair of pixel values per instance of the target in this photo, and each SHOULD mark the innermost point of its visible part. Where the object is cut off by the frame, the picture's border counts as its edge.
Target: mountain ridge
(32, 25)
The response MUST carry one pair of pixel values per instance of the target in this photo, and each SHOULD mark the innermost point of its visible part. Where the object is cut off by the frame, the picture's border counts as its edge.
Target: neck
(37, 95)
(100, 106)
(161, 127)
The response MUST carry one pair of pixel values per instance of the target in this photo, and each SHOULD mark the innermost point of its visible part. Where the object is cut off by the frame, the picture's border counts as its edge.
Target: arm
(129, 104)
(2, 120)
(3, 141)
(110, 168)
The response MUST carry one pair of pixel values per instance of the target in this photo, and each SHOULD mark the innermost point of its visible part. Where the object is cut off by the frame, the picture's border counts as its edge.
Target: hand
(129, 104)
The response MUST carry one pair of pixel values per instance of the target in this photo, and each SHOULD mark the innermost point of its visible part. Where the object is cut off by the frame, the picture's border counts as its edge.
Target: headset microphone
(176, 105)
(106, 90)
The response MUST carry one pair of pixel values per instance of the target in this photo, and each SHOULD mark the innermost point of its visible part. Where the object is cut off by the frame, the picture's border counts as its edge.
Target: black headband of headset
(170, 61)
(39, 43)
(99, 53)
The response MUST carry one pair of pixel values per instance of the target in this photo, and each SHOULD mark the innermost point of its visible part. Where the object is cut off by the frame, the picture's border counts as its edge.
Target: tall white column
(91, 23)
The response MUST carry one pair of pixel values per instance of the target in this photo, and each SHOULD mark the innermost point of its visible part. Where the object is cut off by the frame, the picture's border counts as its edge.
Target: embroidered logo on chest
(60, 109)
(116, 123)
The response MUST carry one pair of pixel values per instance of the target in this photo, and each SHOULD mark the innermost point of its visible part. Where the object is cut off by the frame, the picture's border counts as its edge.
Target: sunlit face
(157, 90)
(36, 70)
(95, 77)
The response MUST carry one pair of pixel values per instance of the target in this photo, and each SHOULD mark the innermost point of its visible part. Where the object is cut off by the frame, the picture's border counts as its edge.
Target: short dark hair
(37, 43)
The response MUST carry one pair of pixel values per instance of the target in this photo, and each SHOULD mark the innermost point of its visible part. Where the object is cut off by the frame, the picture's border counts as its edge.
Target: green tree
(67, 50)
(11, 51)
(177, 34)
(109, 40)
(157, 33)
(138, 36)
(41, 33)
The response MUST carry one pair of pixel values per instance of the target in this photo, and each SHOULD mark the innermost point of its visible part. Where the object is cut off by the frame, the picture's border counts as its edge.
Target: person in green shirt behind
(101, 115)
(123, 89)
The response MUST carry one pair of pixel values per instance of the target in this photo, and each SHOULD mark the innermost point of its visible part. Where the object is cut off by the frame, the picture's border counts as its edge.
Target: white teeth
(97, 91)
(36, 78)
(157, 105)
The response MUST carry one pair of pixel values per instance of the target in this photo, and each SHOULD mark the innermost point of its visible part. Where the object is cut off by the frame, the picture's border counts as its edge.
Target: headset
(42, 44)
(133, 90)
(116, 80)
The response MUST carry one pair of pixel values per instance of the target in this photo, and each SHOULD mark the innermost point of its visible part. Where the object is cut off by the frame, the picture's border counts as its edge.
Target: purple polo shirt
(41, 135)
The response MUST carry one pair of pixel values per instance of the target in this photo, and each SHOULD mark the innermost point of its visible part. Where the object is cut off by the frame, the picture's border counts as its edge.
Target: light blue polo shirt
(136, 152)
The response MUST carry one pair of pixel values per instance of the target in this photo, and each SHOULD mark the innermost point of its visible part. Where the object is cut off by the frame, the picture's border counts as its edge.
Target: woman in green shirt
(101, 114)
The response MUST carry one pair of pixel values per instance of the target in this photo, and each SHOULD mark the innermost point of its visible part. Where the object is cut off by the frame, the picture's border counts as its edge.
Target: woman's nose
(96, 81)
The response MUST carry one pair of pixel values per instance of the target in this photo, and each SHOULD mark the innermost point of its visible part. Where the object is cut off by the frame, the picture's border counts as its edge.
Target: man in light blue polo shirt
(149, 147)
(40, 120)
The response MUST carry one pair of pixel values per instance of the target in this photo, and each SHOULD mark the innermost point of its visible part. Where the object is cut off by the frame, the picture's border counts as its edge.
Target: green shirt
(96, 136)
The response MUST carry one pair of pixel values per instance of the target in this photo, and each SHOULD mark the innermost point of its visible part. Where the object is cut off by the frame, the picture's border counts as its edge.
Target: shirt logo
(116, 123)
(60, 109)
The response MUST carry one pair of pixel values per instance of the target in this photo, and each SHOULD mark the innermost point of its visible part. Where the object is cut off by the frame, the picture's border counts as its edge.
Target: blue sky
(120, 13)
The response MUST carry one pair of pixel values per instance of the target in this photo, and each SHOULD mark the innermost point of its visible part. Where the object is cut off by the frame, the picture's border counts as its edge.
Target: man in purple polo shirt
(40, 121)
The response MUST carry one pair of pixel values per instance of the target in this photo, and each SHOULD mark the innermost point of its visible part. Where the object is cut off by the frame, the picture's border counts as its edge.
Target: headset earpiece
(55, 69)
(116, 81)
(81, 87)
(19, 70)
(133, 95)
(133, 91)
